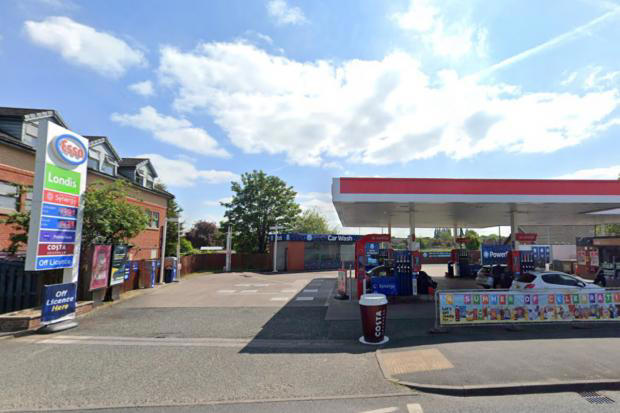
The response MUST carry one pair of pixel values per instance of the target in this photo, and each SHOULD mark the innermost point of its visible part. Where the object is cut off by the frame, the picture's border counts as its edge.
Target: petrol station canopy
(474, 203)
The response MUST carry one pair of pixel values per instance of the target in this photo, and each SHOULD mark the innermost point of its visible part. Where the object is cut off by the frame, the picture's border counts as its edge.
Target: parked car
(493, 276)
(551, 279)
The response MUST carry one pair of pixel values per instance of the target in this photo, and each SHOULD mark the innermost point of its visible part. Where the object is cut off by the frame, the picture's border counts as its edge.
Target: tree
(186, 247)
(21, 224)
(172, 229)
(108, 217)
(473, 240)
(311, 221)
(203, 234)
(259, 202)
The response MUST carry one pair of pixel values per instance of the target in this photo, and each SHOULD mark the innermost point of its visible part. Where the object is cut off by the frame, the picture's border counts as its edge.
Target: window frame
(15, 197)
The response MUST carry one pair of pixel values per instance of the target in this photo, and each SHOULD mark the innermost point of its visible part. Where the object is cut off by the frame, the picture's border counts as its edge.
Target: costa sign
(70, 149)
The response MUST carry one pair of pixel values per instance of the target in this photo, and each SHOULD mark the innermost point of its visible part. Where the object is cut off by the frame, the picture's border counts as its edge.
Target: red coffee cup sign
(373, 308)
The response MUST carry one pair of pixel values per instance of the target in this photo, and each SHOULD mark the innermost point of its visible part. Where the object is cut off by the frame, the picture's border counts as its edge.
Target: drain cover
(596, 398)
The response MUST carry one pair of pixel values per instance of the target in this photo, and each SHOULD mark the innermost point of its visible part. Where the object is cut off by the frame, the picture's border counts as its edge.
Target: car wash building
(298, 252)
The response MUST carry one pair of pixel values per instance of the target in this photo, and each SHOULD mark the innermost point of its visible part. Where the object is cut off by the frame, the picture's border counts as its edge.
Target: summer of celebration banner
(549, 305)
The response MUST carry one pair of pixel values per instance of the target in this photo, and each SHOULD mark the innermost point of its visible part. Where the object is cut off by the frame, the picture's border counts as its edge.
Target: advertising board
(60, 179)
(471, 307)
(494, 254)
(119, 261)
(100, 266)
(58, 303)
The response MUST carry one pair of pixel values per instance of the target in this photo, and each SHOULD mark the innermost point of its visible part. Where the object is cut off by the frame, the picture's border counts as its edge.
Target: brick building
(18, 135)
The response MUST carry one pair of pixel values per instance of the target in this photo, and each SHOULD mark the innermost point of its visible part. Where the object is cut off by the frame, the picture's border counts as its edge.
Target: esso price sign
(70, 149)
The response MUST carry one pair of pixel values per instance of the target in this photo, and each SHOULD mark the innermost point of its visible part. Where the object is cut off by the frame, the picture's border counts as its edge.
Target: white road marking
(260, 285)
(292, 290)
(311, 290)
(414, 408)
(304, 298)
(383, 410)
(225, 291)
(248, 291)
(243, 285)
(279, 299)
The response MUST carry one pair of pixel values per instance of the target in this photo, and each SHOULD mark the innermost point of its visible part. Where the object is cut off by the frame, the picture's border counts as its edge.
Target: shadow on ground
(335, 326)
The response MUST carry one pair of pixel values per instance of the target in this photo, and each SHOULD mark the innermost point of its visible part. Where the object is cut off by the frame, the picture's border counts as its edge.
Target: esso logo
(70, 149)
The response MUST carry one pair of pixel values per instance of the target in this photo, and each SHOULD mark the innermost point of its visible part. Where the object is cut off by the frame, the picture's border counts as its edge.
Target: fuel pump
(368, 254)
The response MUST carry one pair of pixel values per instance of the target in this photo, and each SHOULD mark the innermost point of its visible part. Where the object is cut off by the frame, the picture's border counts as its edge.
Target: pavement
(267, 342)
(591, 402)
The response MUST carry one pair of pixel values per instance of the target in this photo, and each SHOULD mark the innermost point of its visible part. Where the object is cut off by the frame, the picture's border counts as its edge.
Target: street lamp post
(177, 220)
(275, 228)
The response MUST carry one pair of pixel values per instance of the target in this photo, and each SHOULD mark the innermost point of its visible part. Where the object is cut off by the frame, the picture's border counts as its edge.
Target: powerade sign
(59, 303)
(294, 236)
(494, 254)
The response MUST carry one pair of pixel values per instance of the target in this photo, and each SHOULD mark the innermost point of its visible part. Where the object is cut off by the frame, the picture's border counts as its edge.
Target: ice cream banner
(469, 307)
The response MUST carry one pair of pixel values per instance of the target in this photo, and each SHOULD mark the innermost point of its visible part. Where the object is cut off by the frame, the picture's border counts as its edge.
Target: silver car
(491, 276)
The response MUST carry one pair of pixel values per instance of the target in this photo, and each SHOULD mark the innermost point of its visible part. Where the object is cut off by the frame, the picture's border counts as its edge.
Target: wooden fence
(216, 262)
(21, 289)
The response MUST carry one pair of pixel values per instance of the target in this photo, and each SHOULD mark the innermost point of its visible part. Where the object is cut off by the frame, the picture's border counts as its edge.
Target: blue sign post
(59, 303)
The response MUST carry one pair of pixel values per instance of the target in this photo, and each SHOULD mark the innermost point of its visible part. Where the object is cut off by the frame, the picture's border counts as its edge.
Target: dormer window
(108, 167)
(93, 163)
(149, 182)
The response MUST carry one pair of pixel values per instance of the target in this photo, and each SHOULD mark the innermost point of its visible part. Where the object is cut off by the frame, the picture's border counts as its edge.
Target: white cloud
(285, 14)
(144, 88)
(175, 131)
(181, 173)
(454, 40)
(216, 203)
(372, 111)
(609, 172)
(83, 45)
(322, 202)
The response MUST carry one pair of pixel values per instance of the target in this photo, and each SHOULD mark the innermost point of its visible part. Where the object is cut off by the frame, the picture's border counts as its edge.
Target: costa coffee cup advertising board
(373, 308)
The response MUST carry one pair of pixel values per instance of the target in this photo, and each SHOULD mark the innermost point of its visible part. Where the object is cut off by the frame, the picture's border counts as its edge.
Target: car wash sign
(60, 180)
(494, 254)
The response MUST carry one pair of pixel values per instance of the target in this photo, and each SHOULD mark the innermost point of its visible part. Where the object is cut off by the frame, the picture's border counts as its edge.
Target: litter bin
(373, 309)
(170, 269)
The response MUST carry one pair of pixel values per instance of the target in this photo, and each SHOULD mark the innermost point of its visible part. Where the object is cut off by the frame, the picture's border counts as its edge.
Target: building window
(93, 163)
(27, 199)
(139, 178)
(154, 219)
(9, 196)
(149, 183)
(107, 168)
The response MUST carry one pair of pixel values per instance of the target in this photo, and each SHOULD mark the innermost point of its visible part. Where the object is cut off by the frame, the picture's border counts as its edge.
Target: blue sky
(313, 90)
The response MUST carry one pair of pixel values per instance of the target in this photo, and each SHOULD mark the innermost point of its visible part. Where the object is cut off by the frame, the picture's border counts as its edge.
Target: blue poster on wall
(58, 303)
(494, 254)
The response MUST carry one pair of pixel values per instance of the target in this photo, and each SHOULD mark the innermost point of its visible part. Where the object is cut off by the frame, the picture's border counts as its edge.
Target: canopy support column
(410, 241)
(514, 225)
